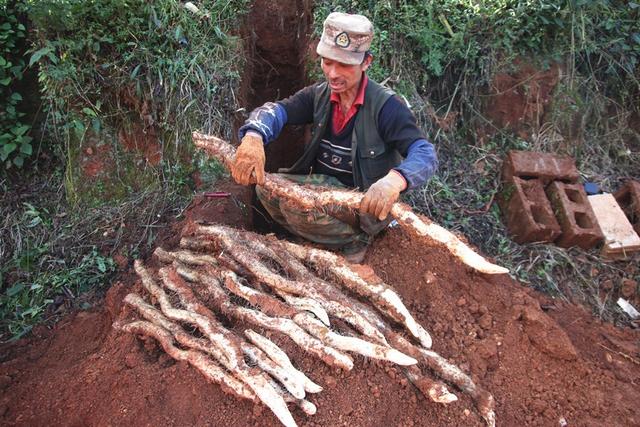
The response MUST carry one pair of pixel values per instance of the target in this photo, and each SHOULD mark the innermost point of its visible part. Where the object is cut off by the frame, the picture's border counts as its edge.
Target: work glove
(249, 159)
(381, 196)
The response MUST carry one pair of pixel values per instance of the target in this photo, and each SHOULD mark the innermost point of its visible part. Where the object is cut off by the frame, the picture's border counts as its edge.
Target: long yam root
(310, 344)
(291, 290)
(355, 345)
(211, 370)
(223, 346)
(308, 198)
(280, 357)
(338, 306)
(379, 294)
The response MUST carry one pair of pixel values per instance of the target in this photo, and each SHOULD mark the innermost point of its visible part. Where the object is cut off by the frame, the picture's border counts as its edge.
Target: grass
(54, 255)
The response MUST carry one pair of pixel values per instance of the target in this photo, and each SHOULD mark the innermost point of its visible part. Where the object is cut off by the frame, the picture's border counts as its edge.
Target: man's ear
(367, 62)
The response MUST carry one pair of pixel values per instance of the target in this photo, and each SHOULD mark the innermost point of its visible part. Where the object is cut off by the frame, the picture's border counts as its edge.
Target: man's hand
(382, 195)
(249, 158)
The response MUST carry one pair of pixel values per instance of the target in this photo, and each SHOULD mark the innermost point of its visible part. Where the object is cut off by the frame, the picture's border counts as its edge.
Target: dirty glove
(382, 195)
(249, 158)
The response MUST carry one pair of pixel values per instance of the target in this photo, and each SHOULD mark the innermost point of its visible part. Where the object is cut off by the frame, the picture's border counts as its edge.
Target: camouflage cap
(345, 38)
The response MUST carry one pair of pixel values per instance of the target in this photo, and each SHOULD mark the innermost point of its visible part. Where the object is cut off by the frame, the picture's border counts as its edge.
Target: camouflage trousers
(334, 228)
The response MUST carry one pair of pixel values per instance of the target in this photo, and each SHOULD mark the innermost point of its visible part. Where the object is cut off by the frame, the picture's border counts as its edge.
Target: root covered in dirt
(312, 197)
(258, 281)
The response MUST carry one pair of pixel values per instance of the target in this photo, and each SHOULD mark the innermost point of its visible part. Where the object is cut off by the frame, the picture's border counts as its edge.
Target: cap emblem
(342, 40)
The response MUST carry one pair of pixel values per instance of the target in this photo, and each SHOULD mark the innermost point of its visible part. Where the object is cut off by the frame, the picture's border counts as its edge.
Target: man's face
(343, 77)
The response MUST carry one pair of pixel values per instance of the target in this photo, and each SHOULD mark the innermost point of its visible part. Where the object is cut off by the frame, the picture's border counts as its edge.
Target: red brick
(628, 197)
(573, 211)
(527, 211)
(544, 166)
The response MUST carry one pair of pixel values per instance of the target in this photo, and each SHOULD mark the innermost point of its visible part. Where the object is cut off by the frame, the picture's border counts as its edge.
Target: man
(361, 132)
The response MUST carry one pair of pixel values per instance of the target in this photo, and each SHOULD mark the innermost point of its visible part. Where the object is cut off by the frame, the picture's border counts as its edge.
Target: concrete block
(573, 211)
(544, 166)
(620, 239)
(527, 211)
(628, 197)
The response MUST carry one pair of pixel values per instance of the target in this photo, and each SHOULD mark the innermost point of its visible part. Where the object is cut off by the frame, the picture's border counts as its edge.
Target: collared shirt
(340, 119)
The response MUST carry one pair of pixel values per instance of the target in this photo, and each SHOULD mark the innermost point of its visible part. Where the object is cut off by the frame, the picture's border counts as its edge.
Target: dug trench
(545, 361)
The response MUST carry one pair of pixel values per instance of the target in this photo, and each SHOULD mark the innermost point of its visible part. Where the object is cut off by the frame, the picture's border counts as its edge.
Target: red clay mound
(544, 366)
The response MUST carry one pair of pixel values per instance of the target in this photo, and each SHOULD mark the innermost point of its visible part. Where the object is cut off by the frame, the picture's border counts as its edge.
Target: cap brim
(340, 55)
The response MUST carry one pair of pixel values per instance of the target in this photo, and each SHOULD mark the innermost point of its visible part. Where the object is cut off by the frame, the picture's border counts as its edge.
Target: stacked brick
(573, 210)
(543, 202)
(528, 213)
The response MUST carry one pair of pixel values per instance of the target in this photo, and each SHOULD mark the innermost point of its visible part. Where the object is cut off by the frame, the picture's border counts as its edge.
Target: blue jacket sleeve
(267, 120)
(399, 129)
(420, 164)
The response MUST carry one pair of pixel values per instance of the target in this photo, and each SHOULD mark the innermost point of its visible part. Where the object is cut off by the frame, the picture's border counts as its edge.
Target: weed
(24, 303)
(51, 253)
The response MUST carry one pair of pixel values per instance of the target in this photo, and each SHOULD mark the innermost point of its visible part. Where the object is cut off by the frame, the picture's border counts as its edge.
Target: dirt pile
(544, 361)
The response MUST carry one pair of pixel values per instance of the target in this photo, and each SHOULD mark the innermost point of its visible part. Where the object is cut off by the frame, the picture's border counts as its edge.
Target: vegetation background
(84, 80)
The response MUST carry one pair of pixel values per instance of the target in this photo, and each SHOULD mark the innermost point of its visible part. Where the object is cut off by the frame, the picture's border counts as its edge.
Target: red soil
(544, 361)
(520, 100)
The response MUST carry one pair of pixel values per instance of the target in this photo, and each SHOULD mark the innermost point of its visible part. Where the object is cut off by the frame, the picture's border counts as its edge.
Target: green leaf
(18, 161)
(39, 54)
(135, 71)
(5, 82)
(89, 112)
(24, 139)
(3, 61)
(101, 265)
(9, 148)
(15, 289)
(219, 33)
(96, 125)
(26, 148)
(78, 128)
(32, 311)
(16, 96)
(20, 130)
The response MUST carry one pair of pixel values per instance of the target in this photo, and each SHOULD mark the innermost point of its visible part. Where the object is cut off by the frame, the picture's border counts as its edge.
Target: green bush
(107, 65)
(103, 59)
(417, 43)
(15, 144)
